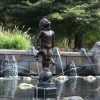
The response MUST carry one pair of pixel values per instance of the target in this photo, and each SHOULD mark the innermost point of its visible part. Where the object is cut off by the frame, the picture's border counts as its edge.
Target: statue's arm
(53, 40)
(39, 40)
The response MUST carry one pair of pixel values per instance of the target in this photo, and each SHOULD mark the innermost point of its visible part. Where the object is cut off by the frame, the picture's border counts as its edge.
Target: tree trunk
(78, 40)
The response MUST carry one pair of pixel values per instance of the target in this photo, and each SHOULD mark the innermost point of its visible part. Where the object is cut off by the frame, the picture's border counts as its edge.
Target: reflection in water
(60, 89)
(84, 89)
(10, 87)
(73, 69)
(36, 93)
(73, 84)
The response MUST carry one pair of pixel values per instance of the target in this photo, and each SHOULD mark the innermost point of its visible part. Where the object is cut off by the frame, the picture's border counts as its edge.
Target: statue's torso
(46, 38)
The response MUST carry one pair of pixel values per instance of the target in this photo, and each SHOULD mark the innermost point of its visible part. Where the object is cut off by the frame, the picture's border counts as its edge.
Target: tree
(73, 18)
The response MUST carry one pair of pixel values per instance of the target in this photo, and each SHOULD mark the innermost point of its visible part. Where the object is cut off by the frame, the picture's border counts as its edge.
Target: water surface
(9, 89)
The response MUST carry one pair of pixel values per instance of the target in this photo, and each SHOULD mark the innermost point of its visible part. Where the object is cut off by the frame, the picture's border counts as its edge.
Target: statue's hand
(38, 47)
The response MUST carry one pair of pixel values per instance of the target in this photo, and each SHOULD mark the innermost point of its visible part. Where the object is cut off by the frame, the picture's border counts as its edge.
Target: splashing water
(27, 70)
(34, 52)
(74, 74)
(89, 78)
(25, 73)
(14, 66)
(10, 64)
(56, 50)
(73, 66)
(85, 53)
(91, 63)
(62, 78)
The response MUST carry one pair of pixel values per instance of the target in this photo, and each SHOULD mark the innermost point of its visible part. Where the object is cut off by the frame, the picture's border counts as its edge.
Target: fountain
(73, 69)
(45, 86)
(57, 51)
(89, 66)
(45, 44)
(9, 66)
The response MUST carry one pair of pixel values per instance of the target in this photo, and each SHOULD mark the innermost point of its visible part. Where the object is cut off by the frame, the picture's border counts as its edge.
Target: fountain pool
(60, 87)
(10, 89)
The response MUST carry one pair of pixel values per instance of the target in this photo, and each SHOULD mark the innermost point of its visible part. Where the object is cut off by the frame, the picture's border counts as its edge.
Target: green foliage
(91, 38)
(14, 39)
(71, 18)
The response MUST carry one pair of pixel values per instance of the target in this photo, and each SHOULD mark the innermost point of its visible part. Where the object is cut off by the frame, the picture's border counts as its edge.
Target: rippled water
(9, 89)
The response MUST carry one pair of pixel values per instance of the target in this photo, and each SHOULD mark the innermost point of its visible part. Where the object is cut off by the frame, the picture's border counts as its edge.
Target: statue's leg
(45, 75)
(44, 56)
(49, 54)
(48, 57)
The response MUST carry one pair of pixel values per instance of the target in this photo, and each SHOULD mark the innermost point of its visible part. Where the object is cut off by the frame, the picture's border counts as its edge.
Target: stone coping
(11, 51)
(29, 52)
(74, 54)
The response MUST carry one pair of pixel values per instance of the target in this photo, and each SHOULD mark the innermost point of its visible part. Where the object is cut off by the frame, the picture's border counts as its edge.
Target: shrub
(15, 39)
(91, 38)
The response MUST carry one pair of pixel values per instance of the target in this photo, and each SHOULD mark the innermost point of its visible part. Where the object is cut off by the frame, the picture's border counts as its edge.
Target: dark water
(9, 89)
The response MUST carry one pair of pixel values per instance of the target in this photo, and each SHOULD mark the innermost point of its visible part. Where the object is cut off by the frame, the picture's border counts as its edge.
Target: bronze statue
(45, 42)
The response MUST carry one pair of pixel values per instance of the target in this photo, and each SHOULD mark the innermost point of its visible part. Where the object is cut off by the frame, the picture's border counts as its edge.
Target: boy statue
(45, 42)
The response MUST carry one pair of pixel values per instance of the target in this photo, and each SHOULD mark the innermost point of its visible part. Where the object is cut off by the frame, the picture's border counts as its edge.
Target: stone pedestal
(45, 90)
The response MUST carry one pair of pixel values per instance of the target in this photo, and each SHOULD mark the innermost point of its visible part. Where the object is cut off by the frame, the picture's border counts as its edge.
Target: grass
(14, 39)
(17, 39)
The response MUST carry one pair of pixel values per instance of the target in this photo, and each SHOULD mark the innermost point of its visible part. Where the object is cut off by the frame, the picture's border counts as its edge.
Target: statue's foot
(45, 75)
(36, 57)
(53, 62)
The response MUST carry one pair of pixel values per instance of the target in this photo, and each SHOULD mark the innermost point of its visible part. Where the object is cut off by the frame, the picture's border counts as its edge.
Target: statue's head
(44, 23)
